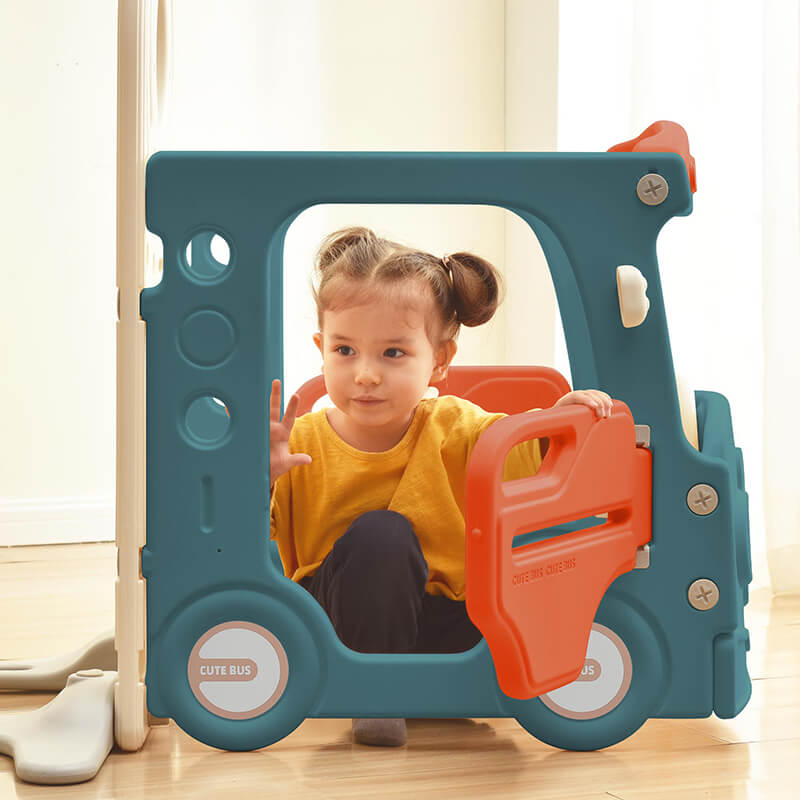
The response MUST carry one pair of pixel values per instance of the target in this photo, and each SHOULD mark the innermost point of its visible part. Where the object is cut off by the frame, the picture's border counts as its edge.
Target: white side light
(632, 292)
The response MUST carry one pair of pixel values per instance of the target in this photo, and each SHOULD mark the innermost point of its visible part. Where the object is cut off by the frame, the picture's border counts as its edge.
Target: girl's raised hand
(594, 398)
(280, 459)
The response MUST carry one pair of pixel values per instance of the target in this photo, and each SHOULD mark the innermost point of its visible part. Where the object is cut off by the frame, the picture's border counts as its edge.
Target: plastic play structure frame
(214, 334)
(627, 554)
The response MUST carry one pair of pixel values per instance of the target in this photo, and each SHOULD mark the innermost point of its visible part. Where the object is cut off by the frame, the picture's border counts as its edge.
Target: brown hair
(354, 264)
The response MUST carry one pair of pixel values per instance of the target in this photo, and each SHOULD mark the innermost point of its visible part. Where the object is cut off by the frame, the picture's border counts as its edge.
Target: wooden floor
(53, 599)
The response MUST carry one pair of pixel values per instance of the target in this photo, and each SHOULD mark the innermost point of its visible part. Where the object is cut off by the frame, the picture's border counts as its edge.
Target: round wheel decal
(238, 670)
(603, 683)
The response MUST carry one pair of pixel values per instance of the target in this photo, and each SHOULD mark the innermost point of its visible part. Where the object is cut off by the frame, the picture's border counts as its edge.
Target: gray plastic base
(50, 674)
(67, 740)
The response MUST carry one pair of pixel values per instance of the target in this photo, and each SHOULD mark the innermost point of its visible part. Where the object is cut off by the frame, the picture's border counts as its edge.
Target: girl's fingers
(600, 401)
(275, 401)
(275, 405)
(290, 412)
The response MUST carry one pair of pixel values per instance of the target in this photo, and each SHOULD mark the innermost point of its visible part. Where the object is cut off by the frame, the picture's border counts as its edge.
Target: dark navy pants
(372, 586)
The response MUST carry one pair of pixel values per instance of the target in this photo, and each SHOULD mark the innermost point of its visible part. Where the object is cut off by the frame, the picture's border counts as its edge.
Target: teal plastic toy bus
(238, 655)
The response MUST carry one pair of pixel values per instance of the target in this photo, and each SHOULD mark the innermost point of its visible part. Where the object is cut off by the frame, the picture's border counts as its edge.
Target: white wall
(249, 74)
(57, 96)
(531, 116)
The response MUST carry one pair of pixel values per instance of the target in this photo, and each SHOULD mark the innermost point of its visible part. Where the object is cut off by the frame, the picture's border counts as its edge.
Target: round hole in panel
(207, 421)
(603, 682)
(238, 670)
(208, 255)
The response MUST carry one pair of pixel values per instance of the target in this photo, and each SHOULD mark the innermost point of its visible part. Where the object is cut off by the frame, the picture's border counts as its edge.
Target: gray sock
(380, 732)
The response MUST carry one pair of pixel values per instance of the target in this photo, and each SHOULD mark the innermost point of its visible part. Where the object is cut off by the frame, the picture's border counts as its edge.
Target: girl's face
(379, 351)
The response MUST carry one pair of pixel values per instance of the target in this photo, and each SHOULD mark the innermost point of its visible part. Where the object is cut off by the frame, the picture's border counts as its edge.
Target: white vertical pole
(143, 37)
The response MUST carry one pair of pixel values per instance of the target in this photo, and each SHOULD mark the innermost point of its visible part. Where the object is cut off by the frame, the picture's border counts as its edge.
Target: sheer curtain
(728, 73)
(781, 288)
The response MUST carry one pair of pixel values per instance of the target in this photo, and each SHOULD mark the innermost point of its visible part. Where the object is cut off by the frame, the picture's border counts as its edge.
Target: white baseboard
(56, 520)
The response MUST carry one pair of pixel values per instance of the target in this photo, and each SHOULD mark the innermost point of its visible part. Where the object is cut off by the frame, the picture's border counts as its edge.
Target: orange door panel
(535, 603)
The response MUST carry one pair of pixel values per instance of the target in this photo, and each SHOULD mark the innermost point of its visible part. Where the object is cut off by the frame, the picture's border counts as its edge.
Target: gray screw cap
(652, 189)
(702, 499)
(703, 594)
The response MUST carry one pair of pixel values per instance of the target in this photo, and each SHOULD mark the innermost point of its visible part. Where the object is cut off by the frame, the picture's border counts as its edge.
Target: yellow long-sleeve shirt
(422, 477)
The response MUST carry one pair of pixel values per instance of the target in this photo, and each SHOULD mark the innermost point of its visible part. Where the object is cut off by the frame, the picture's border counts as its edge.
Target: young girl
(372, 521)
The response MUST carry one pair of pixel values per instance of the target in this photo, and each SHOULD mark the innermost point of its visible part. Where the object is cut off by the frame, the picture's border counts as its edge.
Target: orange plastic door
(535, 603)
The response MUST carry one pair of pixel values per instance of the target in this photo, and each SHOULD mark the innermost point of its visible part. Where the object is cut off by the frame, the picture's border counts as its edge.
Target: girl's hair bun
(478, 288)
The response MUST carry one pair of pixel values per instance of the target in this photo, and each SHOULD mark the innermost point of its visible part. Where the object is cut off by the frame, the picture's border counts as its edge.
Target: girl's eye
(390, 350)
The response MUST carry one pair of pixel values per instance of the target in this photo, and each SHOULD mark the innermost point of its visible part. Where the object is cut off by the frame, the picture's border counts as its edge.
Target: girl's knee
(382, 532)
(379, 558)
